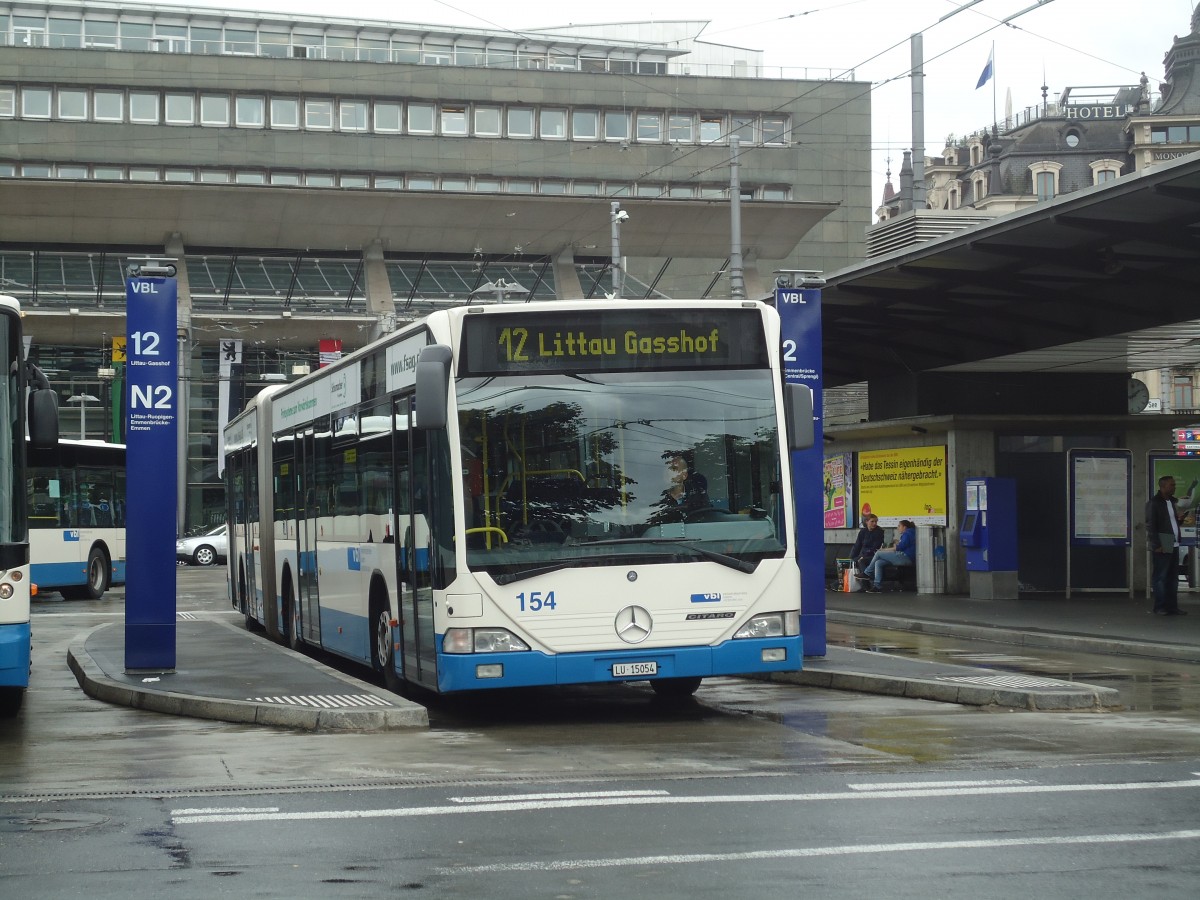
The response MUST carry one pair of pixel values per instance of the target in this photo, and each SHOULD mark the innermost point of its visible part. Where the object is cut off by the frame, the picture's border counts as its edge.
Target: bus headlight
(481, 640)
(770, 625)
(457, 640)
(6, 591)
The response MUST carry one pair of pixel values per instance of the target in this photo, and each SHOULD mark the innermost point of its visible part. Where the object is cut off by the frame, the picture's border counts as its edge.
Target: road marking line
(326, 701)
(801, 852)
(501, 798)
(519, 805)
(213, 810)
(905, 785)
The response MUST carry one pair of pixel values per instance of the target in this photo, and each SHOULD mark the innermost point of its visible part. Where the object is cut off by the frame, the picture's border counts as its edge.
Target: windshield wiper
(510, 577)
(731, 561)
(688, 544)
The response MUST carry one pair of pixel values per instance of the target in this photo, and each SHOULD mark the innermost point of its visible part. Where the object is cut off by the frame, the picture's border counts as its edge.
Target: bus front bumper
(14, 655)
(480, 671)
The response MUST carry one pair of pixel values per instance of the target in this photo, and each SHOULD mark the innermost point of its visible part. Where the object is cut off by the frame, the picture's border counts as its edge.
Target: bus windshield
(584, 469)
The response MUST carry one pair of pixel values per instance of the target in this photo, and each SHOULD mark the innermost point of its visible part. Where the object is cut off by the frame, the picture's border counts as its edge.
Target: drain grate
(1008, 681)
(327, 701)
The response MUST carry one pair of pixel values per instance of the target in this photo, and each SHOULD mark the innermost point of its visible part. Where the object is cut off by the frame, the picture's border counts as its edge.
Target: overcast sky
(1069, 43)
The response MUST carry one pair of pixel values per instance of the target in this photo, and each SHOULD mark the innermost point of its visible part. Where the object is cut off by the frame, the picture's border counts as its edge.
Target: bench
(900, 578)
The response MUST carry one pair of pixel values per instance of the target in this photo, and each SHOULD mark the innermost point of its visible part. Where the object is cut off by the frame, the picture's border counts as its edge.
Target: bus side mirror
(798, 412)
(43, 419)
(433, 387)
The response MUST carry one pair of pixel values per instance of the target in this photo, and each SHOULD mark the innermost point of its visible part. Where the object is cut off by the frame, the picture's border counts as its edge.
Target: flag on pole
(986, 74)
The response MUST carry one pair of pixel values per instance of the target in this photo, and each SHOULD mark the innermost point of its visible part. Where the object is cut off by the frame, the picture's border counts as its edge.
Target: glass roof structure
(221, 281)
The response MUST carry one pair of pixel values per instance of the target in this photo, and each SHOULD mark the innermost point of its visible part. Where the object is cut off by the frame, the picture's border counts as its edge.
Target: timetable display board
(1099, 483)
(618, 340)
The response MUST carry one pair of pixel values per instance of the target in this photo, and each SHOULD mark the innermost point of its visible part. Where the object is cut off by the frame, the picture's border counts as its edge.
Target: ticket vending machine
(988, 534)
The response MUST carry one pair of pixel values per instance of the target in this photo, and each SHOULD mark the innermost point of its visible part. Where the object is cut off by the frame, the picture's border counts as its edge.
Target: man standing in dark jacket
(1162, 535)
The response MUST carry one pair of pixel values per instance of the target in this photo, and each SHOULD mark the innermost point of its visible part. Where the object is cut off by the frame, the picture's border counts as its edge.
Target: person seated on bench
(868, 543)
(903, 553)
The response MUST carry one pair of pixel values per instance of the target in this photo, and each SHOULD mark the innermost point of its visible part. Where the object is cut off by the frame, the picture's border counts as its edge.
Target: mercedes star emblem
(633, 624)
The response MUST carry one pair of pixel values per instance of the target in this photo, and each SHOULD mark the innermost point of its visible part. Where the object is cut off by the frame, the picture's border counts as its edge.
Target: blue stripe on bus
(48, 576)
(456, 672)
(14, 655)
(346, 634)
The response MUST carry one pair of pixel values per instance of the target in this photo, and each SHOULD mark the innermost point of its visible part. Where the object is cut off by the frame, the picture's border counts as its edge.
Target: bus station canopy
(1105, 279)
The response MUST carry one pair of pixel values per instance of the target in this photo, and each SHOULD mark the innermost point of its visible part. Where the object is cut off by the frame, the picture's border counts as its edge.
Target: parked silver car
(205, 549)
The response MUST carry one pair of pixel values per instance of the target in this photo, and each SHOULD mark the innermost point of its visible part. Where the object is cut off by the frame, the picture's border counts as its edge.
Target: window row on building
(1045, 175)
(291, 113)
(396, 182)
(1175, 134)
(139, 32)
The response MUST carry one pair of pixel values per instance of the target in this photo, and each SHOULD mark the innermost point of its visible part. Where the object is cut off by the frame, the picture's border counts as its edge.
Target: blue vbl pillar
(151, 429)
(800, 322)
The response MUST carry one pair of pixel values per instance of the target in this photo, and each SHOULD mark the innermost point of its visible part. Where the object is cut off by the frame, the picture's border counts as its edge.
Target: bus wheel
(10, 701)
(675, 688)
(97, 574)
(291, 628)
(383, 651)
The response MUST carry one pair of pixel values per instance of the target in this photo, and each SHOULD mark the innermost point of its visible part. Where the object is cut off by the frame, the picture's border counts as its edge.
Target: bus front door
(412, 549)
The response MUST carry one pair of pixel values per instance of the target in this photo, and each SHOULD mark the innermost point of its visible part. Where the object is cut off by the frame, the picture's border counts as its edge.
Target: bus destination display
(620, 340)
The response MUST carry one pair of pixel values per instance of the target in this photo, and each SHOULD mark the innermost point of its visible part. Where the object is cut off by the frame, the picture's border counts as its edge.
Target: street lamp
(616, 217)
(500, 290)
(83, 400)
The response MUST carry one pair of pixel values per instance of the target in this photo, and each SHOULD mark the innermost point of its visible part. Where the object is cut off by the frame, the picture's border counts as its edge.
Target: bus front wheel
(383, 655)
(10, 701)
(675, 688)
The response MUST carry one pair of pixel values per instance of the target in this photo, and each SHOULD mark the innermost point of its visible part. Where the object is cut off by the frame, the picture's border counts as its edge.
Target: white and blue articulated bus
(77, 518)
(535, 494)
(27, 401)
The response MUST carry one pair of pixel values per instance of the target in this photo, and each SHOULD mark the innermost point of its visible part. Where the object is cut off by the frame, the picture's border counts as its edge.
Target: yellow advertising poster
(906, 483)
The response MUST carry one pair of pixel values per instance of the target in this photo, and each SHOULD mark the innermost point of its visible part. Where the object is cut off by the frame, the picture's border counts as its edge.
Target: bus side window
(43, 513)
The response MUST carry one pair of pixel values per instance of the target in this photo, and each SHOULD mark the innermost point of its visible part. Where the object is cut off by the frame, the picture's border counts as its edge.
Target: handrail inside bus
(489, 530)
